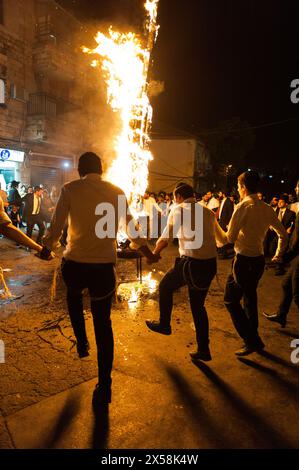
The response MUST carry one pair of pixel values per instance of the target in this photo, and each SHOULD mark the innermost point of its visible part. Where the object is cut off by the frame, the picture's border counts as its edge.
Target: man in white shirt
(196, 266)
(247, 230)
(89, 258)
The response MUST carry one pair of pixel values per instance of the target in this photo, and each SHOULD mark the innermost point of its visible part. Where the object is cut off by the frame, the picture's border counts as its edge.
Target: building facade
(47, 93)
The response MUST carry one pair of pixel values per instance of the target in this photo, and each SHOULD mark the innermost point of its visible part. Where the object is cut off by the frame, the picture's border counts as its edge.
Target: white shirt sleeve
(235, 224)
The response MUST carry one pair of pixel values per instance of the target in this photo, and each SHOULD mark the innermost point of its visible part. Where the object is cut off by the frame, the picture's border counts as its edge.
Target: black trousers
(197, 275)
(242, 283)
(290, 287)
(33, 220)
(99, 279)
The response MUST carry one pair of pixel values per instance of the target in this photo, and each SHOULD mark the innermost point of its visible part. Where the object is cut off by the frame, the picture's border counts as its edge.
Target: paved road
(160, 399)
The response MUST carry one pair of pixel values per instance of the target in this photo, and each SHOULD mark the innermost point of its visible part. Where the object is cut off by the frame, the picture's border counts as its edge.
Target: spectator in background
(54, 195)
(47, 207)
(151, 209)
(213, 203)
(14, 197)
(274, 202)
(169, 203)
(260, 196)
(32, 209)
(224, 214)
(23, 191)
(10, 231)
(205, 199)
(287, 218)
(15, 216)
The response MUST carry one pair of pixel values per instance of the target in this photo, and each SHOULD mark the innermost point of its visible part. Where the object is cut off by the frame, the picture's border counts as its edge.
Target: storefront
(49, 170)
(11, 162)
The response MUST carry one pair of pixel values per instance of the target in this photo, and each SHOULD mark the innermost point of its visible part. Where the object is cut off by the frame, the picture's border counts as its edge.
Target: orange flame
(125, 64)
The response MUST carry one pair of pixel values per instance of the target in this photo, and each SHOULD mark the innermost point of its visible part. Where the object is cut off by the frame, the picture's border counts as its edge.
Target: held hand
(46, 254)
(153, 259)
(276, 259)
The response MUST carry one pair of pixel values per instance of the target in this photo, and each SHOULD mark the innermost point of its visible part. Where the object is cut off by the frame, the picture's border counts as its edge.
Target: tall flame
(125, 64)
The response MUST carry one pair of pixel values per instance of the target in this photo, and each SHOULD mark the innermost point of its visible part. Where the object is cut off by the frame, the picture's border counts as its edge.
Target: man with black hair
(196, 266)
(89, 259)
(32, 209)
(290, 284)
(247, 230)
(14, 197)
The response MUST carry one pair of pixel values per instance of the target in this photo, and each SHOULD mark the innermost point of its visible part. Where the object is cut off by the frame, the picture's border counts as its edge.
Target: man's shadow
(100, 432)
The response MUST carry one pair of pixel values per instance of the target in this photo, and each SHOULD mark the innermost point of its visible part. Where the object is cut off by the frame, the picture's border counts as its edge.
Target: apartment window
(2, 92)
(1, 12)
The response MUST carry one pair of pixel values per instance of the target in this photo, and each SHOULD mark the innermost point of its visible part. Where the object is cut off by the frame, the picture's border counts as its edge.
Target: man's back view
(89, 259)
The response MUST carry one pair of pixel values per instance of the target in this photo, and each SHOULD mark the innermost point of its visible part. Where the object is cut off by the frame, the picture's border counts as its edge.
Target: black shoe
(201, 355)
(83, 349)
(249, 349)
(156, 326)
(276, 318)
(101, 395)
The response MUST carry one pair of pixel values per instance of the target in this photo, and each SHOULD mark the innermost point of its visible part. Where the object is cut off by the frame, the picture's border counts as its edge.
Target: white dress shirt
(221, 206)
(36, 204)
(249, 224)
(213, 203)
(77, 204)
(281, 214)
(212, 233)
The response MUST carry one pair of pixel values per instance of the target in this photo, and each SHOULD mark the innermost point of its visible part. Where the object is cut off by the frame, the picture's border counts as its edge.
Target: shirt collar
(251, 196)
(189, 199)
(92, 176)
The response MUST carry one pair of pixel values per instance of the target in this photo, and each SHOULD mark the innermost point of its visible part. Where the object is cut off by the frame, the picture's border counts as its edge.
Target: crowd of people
(223, 204)
(29, 206)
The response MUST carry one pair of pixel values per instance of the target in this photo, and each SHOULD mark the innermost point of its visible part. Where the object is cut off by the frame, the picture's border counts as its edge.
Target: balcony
(41, 104)
(54, 62)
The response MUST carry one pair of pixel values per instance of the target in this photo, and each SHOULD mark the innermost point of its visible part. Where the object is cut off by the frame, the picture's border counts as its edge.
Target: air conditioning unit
(18, 93)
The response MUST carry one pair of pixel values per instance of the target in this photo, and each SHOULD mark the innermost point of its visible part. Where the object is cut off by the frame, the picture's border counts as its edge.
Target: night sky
(221, 59)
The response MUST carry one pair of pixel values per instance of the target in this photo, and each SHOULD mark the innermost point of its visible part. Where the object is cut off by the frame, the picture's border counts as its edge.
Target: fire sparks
(125, 64)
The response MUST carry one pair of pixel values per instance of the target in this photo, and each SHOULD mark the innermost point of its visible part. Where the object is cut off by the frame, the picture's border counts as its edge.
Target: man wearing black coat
(33, 213)
(290, 285)
(287, 218)
(14, 197)
(224, 214)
